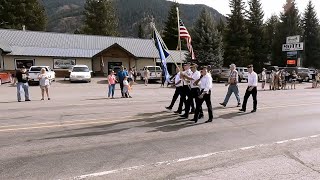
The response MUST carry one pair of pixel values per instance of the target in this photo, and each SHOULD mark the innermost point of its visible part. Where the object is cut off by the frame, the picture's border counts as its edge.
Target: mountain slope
(66, 15)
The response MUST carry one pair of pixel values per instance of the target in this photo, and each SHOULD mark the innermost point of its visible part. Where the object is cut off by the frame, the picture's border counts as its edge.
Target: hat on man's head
(232, 65)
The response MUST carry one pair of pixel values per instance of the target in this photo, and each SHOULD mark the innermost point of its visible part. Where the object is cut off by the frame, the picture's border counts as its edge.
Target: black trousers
(253, 92)
(206, 98)
(176, 94)
(121, 87)
(194, 95)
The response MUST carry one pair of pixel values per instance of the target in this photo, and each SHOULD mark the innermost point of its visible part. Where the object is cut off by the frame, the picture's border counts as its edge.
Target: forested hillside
(66, 15)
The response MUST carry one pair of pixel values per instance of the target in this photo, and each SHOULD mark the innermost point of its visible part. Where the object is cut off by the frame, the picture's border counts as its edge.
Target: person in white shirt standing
(205, 94)
(263, 78)
(194, 92)
(251, 90)
(186, 85)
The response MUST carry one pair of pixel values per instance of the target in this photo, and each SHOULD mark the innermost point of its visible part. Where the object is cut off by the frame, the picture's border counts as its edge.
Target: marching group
(195, 86)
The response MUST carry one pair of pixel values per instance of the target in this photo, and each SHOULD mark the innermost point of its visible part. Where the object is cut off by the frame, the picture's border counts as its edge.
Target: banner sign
(291, 62)
(293, 39)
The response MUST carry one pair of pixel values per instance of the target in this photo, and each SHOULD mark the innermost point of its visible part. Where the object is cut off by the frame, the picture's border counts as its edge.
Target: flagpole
(165, 46)
(179, 39)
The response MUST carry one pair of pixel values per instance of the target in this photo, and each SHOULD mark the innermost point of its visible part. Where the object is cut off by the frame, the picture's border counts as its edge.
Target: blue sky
(270, 6)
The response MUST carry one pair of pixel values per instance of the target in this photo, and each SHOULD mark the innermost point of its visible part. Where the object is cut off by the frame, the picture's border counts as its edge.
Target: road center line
(165, 163)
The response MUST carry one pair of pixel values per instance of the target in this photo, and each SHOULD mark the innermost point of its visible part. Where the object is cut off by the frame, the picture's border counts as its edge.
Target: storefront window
(24, 62)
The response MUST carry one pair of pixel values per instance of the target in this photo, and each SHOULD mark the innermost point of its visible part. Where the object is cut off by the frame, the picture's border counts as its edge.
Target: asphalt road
(80, 134)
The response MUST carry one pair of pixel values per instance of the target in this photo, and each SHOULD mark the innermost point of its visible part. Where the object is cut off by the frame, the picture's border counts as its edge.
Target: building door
(115, 66)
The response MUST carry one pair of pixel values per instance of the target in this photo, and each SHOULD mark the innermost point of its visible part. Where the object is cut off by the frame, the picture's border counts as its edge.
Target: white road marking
(189, 158)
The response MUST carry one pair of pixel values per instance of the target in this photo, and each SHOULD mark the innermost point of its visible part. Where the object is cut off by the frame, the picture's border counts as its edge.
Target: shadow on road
(232, 115)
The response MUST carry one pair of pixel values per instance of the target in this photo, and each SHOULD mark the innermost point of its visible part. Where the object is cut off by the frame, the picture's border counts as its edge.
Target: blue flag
(163, 55)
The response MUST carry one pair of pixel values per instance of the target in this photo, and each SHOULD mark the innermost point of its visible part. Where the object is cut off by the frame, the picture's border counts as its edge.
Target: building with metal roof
(100, 53)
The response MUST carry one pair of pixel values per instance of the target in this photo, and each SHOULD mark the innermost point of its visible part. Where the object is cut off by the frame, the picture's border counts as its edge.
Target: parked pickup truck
(34, 72)
(155, 73)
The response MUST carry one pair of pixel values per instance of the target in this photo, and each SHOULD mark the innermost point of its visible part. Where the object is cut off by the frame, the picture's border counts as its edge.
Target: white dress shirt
(206, 83)
(186, 73)
(195, 76)
(177, 79)
(253, 79)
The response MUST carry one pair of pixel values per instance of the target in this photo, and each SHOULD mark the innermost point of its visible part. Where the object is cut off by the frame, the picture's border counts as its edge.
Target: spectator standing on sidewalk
(44, 83)
(111, 84)
(233, 86)
(121, 75)
(131, 77)
(146, 76)
(251, 90)
(294, 77)
(272, 80)
(263, 78)
(126, 88)
(22, 85)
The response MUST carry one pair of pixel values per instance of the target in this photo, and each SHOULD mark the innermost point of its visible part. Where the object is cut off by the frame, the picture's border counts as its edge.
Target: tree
(255, 27)
(237, 37)
(207, 41)
(140, 31)
(221, 26)
(16, 13)
(311, 37)
(171, 28)
(270, 31)
(290, 25)
(100, 18)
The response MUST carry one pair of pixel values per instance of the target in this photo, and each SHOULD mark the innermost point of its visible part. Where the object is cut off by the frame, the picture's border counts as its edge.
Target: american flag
(184, 34)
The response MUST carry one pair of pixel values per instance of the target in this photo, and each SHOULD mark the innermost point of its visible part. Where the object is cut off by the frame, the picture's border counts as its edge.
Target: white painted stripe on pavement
(189, 158)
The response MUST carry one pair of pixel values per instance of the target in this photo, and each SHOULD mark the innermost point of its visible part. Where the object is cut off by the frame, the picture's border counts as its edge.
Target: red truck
(5, 78)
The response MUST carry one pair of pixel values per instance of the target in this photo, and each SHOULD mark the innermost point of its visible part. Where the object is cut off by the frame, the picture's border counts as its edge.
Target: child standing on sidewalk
(126, 88)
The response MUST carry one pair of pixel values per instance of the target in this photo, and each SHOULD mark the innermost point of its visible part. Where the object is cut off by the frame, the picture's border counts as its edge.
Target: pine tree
(290, 25)
(221, 26)
(255, 27)
(140, 31)
(171, 28)
(207, 41)
(270, 31)
(311, 37)
(16, 13)
(237, 37)
(100, 18)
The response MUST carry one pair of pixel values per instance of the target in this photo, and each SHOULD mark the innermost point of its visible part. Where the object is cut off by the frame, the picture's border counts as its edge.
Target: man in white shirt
(194, 91)
(263, 78)
(205, 94)
(177, 93)
(251, 90)
(185, 76)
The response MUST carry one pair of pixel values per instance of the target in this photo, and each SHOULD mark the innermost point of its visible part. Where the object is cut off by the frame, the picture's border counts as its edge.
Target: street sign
(293, 39)
(291, 62)
(292, 47)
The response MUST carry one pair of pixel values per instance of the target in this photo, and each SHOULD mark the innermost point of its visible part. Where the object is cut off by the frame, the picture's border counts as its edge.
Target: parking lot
(80, 134)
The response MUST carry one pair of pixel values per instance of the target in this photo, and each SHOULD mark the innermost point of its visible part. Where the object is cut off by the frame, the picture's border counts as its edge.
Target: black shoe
(177, 112)
(239, 104)
(253, 111)
(184, 116)
(28, 100)
(209, 121)
(192, 112)
(169, 108)
(242, 110)
(222, 104)
(194, 120)
(200, 116)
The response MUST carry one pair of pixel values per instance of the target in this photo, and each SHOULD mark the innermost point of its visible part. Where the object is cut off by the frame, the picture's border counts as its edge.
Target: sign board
(293, 39)
(292, 47)
(292, 54)
(63, 63)
(291, 62)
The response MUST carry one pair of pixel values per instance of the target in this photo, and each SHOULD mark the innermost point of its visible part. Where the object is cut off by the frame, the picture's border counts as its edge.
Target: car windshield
(225, 70)
(37, 69)
(245, 70)
(303, 70)
(154, 69)
(80, 69)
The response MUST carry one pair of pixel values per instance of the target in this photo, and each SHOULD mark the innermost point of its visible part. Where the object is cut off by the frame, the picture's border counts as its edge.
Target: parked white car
(80, 73)
(243, 73)
(155, 72)
(34, 72)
